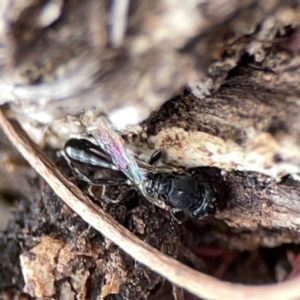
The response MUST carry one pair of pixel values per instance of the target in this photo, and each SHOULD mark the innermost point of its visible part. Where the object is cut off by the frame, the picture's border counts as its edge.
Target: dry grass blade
(197, 283)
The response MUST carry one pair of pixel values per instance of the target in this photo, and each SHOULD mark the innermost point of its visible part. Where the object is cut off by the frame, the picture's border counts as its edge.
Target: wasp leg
(120, 198)
(99, 181)
(172, 212)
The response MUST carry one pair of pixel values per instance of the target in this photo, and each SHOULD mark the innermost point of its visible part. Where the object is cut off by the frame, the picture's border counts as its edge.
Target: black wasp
(195, 191)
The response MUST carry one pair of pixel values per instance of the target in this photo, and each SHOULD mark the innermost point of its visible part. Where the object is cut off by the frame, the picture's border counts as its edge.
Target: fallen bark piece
(38, 265)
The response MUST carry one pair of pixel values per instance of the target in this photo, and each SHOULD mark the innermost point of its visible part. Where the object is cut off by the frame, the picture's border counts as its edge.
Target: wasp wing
(112, 143)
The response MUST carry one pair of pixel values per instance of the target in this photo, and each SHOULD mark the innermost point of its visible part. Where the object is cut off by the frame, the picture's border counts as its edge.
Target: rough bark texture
(230, 70)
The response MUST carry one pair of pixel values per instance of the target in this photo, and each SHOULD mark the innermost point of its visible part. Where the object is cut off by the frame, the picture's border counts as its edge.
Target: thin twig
(201, 285)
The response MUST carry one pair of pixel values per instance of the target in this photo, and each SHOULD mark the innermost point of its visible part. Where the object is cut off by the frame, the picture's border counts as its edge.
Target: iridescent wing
(112, 143)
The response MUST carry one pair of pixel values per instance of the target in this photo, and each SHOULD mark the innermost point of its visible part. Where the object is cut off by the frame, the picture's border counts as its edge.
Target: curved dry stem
(202, 285)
